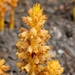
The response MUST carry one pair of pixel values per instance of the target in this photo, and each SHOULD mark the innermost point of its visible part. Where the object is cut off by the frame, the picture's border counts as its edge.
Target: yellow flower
(3, 68)
(35, 18)
(54, 67)
(35, 10)
(32, 50)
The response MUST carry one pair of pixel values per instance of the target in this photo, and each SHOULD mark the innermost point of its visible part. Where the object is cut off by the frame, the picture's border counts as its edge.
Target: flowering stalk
(32, 50)
(2, 23)
(3, 68)
(12, 19)
(13, 4)
(3, 10)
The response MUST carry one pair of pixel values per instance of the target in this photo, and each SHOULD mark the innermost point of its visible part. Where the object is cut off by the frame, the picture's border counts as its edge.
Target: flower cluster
(3, 68)
(12, 3)
(32, 50)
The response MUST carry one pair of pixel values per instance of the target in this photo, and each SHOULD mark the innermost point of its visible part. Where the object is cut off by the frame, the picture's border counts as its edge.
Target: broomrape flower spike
(32, 50)
(3, 68)
(13, 4)
(3, 10)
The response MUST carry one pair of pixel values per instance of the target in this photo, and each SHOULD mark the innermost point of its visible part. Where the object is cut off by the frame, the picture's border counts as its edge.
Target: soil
(60, 25)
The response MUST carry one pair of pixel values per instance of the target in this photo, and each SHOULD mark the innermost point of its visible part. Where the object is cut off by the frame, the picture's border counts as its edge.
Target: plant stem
(74, 11)
(2, 23)
(12, 19)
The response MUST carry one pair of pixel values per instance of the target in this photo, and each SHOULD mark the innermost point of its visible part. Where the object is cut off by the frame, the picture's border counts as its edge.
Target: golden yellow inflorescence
(3, 68)
(32, 50)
